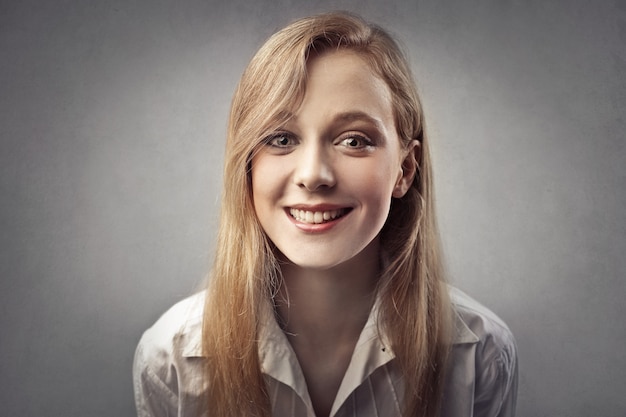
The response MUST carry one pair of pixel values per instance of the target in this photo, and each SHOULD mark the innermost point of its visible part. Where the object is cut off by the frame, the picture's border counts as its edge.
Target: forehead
(343, 79)
(344, 67)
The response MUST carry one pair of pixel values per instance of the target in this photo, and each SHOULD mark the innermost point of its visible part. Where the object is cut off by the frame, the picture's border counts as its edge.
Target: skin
(338, 157)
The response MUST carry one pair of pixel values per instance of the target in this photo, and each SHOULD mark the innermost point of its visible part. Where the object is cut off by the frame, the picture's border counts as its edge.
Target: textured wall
(112, 117)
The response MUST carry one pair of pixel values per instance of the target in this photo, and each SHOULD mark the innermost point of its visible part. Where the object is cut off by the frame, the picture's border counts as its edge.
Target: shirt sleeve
(153, 396)
(496, 383)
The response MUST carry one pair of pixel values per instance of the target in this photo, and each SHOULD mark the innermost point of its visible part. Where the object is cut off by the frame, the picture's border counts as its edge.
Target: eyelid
(279, 134)
(364, 139)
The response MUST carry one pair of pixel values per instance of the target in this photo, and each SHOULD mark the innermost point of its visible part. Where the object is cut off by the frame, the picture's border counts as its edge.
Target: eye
(354, 141)
(280, 140)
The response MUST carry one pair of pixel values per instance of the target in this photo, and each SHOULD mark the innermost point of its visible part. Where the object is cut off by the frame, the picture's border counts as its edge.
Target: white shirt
(481, 379)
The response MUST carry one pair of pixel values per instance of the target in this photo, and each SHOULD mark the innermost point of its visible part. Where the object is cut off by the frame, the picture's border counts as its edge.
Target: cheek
(374, 190)
(258, 185)
(375, 181)
(265, 178)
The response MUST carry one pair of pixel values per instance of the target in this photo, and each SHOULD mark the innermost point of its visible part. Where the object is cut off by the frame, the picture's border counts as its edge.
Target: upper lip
(318, 207)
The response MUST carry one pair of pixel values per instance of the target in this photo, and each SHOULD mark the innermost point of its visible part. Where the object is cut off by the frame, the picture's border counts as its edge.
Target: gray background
(112, 117)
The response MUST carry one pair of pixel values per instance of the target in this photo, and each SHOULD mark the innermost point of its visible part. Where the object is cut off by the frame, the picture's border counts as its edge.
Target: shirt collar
(279, 361)
(462, 333)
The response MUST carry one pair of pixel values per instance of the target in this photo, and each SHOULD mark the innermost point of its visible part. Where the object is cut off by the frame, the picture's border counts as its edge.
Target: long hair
(414, 306)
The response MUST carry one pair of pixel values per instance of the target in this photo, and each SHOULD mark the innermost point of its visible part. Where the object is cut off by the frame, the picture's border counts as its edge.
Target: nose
(315, 170)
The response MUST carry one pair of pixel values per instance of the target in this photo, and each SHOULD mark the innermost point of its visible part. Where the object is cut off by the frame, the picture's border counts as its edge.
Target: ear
(408, 169)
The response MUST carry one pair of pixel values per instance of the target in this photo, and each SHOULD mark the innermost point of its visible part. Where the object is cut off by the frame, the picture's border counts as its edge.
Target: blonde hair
(414, 306)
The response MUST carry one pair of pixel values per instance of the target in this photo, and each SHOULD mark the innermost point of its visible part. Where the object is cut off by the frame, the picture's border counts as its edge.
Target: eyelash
(363, 141)
(271, 140)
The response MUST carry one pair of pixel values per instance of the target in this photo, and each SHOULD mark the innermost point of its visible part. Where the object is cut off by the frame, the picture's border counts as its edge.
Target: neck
(316, 305)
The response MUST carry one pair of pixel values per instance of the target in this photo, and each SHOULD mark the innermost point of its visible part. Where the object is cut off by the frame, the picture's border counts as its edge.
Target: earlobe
(408, 170)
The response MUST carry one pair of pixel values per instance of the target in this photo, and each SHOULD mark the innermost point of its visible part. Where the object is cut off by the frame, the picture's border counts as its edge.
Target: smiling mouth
(317, 217)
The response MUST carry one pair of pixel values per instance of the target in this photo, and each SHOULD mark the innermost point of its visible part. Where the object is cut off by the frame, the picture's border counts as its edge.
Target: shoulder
(178, 330)
(166, 366)
(475, 322)
(483, 361)
(163, 348)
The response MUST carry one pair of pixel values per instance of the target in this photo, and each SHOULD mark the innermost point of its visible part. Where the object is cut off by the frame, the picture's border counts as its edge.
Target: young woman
(327, 296)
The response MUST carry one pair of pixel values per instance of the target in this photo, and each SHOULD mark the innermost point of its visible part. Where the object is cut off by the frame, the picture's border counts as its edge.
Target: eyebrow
(349, 116)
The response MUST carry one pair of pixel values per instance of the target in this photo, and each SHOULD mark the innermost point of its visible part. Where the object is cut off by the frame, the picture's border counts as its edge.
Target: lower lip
(316, 227)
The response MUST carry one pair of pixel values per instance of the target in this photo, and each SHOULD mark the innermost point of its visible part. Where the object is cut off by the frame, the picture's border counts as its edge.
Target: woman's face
(322, 183)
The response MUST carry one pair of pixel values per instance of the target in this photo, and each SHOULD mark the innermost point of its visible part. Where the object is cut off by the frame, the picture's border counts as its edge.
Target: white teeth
(315, 217)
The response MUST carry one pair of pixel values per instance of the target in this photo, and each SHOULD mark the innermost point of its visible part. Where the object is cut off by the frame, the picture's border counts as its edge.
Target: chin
(314, 262)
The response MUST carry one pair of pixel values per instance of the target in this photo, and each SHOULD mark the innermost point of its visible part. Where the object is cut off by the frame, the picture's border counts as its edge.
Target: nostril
(314, 170)
(316, 180)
